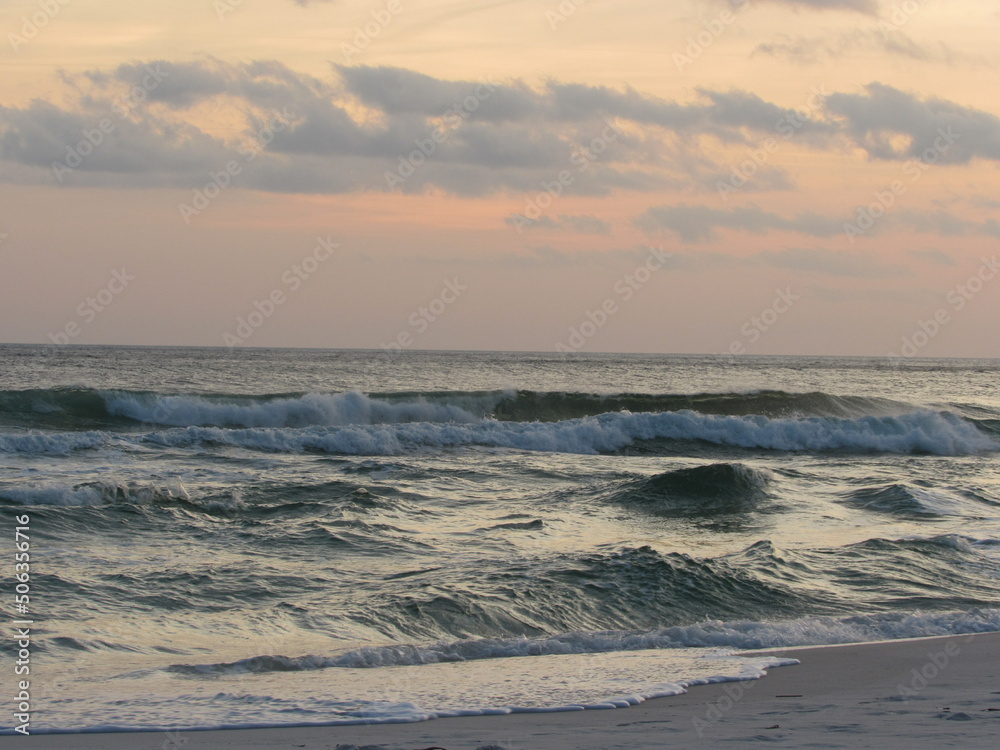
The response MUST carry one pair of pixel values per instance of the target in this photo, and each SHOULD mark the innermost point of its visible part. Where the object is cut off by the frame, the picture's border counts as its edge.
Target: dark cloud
(937, 257)
(813, 50)
(465, 137)
(947, 224)
(699, 223)
(154, 153)
(898, 296)
(522, 222)
(868, 7)
(585, 224)
(379, 128)
(949, 133)
(582, 224)
(182, 84)
(397, 91)
(830, 263)
(695, 224)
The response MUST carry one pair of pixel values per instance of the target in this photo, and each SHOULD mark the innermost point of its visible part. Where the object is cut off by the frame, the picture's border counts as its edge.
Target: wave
(526, 406)
(321, 409)
(83, 408)
(904, 500)
(642, 588)
(699, 491)
(527, 605)
(534, 525)
(926, 432)
(736, 635)
(384, 702)
(118, 492)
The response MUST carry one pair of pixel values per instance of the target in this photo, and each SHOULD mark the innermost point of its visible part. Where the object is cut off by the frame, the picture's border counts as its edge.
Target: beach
(926, 692)
(500, 375)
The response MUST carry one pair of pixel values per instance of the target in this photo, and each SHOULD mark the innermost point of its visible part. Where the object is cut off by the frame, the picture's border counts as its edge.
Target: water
(272, 537)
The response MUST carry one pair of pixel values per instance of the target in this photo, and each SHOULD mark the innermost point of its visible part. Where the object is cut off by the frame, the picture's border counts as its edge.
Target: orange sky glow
(843, 152)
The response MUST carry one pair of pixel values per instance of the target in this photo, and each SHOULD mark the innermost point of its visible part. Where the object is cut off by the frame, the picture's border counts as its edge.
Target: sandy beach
(920, 693)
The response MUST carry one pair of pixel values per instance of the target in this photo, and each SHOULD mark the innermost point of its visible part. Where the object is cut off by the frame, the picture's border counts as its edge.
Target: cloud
(42, 133)
(585, 224)
(522, 222)
(355, 131)
(381, 128)
(582, 224)
(816, 260)
(699, 223)
(546, 256)
(830, 262)
(894, 125)
(182, 84)
(868, 7)
(983, 203)
(936, 257)
(899, 296)
(947, 224)
(397, 91)
(803, 50)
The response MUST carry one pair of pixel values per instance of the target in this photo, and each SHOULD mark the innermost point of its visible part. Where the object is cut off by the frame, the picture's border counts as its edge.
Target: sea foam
(936, 432)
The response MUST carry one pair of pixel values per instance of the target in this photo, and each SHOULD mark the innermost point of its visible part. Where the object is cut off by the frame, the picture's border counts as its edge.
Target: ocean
(269, 537)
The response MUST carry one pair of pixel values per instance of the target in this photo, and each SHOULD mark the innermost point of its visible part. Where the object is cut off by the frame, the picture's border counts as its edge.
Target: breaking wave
(928, 432)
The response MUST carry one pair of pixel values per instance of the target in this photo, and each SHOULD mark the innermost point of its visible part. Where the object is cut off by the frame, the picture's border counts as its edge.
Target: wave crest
(735, 635)
(940, 433)
(700, 491)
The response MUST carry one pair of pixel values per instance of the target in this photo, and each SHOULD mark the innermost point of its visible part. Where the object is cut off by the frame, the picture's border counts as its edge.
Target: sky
(723, 176)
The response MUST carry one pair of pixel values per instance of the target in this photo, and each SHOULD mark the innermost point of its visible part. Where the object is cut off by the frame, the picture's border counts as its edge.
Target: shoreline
(925, 692)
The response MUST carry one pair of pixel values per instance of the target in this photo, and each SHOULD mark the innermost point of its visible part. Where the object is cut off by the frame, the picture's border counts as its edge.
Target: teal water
(270, 537)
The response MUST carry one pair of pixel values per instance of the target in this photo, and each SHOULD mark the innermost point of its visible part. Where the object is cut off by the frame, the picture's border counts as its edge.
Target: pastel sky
(756, 177)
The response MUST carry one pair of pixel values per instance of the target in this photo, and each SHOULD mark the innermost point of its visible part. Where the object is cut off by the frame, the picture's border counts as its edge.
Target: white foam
(739, 635)
(102, 493)
(62, 495)
(923, 431)
(931, 432)
(320, 409)
(569, 672)
(55, 443)
(433, 694)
